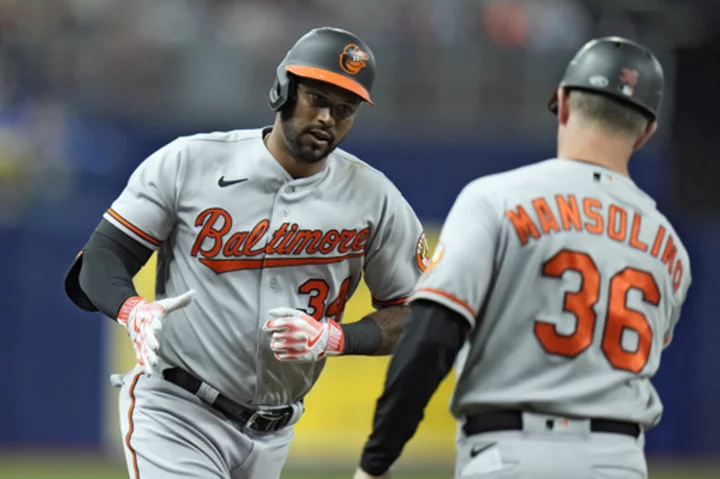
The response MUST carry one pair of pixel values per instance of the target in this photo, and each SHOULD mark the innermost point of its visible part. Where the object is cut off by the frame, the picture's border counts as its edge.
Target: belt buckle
(270, 423)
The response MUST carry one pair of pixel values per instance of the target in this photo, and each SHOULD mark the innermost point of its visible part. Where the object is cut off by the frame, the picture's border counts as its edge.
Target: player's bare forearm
(377, 333)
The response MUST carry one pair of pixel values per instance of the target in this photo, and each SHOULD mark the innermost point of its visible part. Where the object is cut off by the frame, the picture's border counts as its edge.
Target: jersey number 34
(619, 316)
(318, 290)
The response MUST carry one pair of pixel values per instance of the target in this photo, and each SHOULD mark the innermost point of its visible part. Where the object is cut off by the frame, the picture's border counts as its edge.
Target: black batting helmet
(327, 54)
(619, 68)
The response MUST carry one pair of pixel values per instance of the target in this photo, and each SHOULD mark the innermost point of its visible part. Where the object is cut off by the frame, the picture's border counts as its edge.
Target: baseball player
(262, 236)
(555, 287)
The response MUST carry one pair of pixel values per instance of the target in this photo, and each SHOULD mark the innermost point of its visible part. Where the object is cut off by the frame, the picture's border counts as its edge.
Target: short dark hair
(611, 114)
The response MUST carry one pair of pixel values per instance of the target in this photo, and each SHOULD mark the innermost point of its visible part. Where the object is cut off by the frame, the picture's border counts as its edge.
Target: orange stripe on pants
(131, 426)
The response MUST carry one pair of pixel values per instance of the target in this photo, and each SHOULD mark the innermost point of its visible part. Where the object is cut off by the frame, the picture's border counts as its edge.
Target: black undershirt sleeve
(111, 259)
(362, 337)
(424, 355)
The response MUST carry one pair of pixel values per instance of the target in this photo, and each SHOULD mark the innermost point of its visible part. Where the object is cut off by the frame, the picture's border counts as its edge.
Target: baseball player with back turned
(555, 287)
(262, 236)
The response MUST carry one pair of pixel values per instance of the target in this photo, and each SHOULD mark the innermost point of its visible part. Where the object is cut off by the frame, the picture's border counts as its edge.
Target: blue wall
(52, 358)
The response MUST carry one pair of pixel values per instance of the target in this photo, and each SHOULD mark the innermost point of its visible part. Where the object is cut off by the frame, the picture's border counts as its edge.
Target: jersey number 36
(619, 316)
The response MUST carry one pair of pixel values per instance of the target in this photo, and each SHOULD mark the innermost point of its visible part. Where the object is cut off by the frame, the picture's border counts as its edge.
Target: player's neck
(594, 146)
(297, 169)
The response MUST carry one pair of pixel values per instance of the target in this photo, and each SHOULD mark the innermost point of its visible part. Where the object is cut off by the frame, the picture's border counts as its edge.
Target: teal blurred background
(88, 88)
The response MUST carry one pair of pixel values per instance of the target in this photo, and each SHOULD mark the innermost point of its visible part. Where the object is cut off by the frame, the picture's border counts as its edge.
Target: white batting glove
(360, 474)
(143, 322)
(296, 336)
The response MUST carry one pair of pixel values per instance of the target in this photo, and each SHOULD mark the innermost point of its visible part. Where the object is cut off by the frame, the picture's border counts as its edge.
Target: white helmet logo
(599, 81)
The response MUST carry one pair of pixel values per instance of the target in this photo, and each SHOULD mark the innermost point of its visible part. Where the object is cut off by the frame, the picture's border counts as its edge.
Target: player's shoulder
(229, 138)
(665, 221)
(673, 241)
(345, 161)
(497, 185)
(211, 147)
(353, 168)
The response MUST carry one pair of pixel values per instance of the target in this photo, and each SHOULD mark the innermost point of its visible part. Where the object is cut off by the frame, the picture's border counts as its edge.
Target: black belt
(512, 420)
(259, 420)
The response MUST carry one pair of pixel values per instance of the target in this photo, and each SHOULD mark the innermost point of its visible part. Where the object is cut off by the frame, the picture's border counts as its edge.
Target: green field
(46, 467)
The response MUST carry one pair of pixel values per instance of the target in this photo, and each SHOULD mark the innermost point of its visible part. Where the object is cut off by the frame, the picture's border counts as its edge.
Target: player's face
(322, 117)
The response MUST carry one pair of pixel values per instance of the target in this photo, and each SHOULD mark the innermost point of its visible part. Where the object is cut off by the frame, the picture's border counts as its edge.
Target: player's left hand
(360, 474)
(296, 336)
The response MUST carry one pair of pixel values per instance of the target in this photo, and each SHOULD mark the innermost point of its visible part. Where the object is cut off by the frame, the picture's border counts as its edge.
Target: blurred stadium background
(88, 88)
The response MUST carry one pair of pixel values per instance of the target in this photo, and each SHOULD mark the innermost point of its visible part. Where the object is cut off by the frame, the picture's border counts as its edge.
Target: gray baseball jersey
(572, 282)
(229, 222)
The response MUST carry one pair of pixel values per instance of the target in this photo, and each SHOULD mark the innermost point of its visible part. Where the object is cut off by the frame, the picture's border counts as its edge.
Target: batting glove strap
(126, 309)
(336, 339)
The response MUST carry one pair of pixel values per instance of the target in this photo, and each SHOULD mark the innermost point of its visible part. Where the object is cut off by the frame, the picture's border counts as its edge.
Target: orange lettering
(345, 241)
(524, 226)
(634, 240)
(361, 239)
(597, 226)
(677, 275)
(272, 246)
(255, 235)
(233, 247)
(329, 241)
(224, 253)
(669, 253)
(209, 217)
(617, 231)
(658, 241)
(307, 240)
(569, 212)
(284, 247)
(547, 220)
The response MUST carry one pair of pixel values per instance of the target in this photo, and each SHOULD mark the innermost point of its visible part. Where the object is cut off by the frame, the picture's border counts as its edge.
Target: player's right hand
(296, 336)
(143, 322)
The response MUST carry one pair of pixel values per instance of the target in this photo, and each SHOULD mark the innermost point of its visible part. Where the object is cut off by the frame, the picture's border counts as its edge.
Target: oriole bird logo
(352, 59)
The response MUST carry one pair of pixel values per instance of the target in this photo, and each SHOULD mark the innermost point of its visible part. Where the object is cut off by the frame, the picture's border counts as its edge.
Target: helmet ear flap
(283, 90)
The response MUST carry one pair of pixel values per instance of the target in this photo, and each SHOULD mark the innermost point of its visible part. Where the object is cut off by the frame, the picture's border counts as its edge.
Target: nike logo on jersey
(476, 450)
(222, 182)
